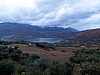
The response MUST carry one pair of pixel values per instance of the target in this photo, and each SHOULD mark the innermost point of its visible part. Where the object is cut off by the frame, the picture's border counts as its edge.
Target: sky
(79, 14)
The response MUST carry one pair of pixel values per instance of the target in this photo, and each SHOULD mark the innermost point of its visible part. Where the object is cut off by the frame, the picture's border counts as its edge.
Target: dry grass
(59, 54)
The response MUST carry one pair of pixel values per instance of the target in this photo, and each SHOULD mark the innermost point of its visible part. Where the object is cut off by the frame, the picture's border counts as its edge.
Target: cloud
(79, 14)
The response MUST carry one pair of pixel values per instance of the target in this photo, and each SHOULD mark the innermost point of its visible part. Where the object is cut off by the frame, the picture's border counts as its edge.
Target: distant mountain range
(16, 31)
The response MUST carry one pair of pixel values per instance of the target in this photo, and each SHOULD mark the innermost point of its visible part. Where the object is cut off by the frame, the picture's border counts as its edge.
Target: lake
(49, 40)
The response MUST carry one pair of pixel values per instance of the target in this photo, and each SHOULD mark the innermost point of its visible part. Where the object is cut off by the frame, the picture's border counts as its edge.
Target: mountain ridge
(91, 35)
(24, 31)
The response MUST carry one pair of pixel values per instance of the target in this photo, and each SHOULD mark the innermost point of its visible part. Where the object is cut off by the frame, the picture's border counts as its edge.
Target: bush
(7, 67)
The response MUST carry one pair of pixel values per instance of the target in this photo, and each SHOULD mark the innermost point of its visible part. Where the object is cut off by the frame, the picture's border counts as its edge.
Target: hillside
(92, 35)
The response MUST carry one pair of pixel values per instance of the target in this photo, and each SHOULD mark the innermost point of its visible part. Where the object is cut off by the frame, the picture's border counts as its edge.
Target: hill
(92, 35)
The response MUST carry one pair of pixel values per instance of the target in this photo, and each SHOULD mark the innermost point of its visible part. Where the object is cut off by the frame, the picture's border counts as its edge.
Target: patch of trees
(86, 62)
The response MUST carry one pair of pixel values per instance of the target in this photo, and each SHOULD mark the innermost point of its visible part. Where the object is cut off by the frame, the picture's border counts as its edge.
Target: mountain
(92, 35)
(16, 31)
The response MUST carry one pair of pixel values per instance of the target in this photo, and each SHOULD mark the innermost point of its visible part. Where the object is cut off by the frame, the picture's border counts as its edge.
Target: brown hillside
(93, 34)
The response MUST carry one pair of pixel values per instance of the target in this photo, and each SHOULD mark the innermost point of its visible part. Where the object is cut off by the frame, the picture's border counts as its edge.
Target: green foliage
(86, 55)
(60, 69)
(9, 52)
(88, 60)
(7, 67)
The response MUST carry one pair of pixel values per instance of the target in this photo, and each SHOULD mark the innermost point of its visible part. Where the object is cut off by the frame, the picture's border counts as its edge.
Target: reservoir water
(49, 40)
